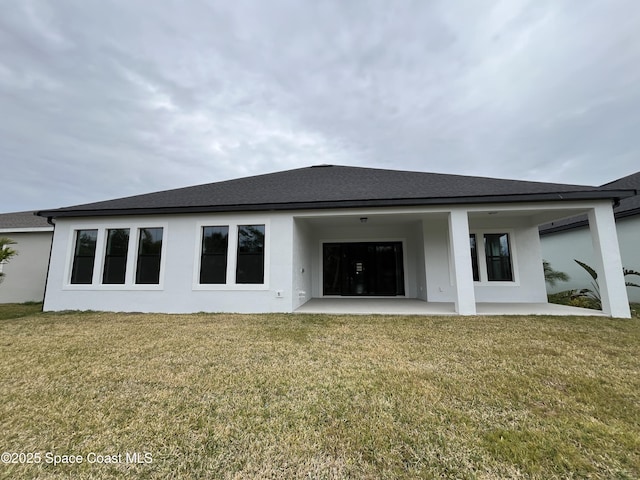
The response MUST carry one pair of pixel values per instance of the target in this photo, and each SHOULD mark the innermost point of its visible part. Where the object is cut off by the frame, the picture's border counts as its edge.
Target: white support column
(461, 261)
(608, 263)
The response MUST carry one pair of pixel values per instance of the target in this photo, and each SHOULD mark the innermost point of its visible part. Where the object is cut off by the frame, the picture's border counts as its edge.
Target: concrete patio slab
(534, 309)
(413, 306)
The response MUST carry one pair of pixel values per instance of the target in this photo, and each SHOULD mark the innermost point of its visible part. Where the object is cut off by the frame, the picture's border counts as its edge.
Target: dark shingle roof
(627, 206)
(22, 220)
(327, 186)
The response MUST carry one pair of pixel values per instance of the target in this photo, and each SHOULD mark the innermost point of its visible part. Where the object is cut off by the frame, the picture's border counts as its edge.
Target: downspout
(46, 282)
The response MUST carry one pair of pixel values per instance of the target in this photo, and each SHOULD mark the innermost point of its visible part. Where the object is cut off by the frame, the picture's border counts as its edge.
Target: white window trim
(101, 250)
(232, 255)
(482, 258)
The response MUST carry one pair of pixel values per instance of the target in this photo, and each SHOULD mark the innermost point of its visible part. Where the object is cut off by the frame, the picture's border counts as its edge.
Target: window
(213, 258)
(115, 259)
(474, 257)
(496, 246)
(250, 265)
(149, 253)
(497, 257)
(84, 256)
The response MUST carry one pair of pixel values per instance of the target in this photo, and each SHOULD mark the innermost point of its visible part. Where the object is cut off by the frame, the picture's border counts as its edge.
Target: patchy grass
(313, 396)
(15, 310)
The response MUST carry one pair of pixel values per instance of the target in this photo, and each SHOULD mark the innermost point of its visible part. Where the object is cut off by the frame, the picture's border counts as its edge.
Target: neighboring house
(569, 239)
(26, 273)
(270, 243)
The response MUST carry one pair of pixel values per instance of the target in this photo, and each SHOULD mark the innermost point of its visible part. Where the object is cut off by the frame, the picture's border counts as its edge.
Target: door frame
(320, 277)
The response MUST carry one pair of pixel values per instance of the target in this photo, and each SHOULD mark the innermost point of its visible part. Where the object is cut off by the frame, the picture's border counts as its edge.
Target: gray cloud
(106, 99)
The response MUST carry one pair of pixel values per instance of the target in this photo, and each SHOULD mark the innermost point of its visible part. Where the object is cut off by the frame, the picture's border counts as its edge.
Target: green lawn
(313, 396)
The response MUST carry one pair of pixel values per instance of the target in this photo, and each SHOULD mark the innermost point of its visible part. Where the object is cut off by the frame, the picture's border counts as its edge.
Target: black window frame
(500, 264)
(114, 270)
(214, 258)
(79, 258)
(473, 243)
(250, 254)
(149, 258)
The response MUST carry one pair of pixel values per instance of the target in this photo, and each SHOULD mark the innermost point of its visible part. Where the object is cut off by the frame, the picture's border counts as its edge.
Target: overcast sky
(104, 99)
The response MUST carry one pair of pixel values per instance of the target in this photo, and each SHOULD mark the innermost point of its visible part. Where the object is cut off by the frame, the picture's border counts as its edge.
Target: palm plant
(594, 292)
(552, 276)
(6, 252)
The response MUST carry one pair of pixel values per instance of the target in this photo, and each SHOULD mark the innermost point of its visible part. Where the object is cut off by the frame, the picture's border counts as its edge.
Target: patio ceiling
(533, 214)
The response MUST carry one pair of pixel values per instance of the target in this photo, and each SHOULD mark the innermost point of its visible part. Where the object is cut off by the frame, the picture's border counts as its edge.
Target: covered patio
(414, 306)
(443, 260)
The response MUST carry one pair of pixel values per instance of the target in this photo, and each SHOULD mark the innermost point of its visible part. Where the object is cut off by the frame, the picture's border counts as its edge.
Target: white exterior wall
(26, 273)
(302, 264)
(629, 241)
(561, 248)
(417, 245)
(439, 274)
(528, 285)
(178, 290)
(293, 258)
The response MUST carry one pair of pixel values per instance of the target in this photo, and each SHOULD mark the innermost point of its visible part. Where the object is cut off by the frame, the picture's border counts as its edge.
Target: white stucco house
(569, 239)
(283, 241)
(25, 274)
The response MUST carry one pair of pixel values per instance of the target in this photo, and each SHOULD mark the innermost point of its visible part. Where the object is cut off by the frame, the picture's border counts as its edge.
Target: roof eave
(585, 223)
(398, 202)
(25, 229)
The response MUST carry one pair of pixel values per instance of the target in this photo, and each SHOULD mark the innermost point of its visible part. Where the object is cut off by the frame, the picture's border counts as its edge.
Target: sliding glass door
(363, 268)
